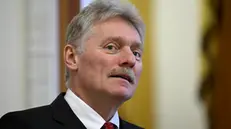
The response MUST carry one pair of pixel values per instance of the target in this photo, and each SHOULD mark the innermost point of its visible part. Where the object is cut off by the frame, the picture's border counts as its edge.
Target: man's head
(103, 55)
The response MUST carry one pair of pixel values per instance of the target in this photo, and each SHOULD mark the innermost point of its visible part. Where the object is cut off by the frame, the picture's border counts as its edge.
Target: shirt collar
(88, 116)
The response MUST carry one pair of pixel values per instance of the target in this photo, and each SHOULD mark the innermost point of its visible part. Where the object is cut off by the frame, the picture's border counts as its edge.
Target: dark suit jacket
(57, 115)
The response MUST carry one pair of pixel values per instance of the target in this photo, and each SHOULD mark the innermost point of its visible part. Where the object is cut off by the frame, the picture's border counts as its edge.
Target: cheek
(138, 70)
(98, 65)
(106, 63)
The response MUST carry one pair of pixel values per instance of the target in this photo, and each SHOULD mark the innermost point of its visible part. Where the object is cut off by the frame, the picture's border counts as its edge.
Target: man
(103, 58)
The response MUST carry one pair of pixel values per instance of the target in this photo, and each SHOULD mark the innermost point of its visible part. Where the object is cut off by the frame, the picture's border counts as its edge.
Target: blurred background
(186, 79)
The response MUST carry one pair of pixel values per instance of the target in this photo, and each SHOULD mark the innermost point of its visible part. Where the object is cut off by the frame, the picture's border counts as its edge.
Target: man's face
(111, 63)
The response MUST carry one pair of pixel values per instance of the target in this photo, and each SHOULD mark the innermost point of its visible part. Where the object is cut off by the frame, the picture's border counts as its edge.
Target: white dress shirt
(89, 117)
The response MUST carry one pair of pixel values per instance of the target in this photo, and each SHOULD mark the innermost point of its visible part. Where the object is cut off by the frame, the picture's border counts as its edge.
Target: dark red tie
(108, 125)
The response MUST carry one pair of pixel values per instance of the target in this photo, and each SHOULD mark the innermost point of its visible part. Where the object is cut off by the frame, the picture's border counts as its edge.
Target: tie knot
(108, 125)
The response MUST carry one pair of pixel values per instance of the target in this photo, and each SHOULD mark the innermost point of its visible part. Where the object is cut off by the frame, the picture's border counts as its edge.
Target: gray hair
(98, 11)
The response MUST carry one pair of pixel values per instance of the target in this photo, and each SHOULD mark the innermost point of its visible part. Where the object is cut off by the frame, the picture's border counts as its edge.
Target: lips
(124, 76)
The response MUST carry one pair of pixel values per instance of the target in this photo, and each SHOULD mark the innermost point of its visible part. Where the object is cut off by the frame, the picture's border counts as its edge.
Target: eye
(111, 47)
(137, 54)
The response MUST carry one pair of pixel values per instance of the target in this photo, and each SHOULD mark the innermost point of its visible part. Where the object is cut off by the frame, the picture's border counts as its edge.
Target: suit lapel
(123, 124)
(63, 114)
(126, 125)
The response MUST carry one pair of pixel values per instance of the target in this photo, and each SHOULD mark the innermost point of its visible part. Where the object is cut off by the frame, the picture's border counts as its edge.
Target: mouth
(126, 77)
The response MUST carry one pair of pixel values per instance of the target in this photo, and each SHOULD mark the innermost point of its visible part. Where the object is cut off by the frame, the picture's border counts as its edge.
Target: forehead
(116, 28)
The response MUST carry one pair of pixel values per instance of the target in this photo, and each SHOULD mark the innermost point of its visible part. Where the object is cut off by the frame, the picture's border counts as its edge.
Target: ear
(70, 57)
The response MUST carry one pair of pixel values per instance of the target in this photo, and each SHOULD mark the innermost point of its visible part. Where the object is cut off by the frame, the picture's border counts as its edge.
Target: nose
(127, 58)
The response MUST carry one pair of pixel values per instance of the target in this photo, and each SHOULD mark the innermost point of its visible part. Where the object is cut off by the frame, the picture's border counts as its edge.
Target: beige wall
(28, 53)
(177, 48)
(12, 47)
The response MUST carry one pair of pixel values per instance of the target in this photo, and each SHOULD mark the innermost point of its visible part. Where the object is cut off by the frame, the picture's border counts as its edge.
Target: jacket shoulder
(20, 119)
(35, 112)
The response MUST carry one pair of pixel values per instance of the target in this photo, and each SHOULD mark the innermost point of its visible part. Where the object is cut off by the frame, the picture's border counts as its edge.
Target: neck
(105, 106)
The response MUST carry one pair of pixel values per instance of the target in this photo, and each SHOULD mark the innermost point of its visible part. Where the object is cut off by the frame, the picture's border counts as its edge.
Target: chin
(123, 95)
(121, 90)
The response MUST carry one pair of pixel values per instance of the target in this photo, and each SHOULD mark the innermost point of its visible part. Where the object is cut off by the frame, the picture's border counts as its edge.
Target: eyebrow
(135, 44)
